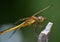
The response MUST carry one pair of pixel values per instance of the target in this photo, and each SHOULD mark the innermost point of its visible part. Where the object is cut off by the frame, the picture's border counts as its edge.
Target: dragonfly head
(41, 18)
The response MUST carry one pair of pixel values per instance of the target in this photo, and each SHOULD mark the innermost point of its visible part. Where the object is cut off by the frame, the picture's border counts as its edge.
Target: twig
(43, 36)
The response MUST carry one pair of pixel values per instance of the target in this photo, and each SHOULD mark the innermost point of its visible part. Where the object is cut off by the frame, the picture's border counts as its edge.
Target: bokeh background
(12, 10)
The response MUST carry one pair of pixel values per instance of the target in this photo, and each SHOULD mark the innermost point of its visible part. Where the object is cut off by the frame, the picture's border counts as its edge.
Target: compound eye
(40, 17)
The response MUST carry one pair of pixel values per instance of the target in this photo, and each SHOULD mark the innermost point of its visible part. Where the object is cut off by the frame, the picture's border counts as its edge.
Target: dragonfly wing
(14, 32)
(21, 20)
(35, 27)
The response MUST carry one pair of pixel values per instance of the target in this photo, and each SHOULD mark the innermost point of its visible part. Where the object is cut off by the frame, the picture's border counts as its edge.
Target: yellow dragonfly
(28, 21)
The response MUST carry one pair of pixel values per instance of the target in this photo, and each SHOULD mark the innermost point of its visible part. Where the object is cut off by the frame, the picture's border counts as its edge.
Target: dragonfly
(28, 21)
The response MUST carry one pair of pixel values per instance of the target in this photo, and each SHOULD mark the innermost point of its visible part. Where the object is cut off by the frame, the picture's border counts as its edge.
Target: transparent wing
(18, 28)
(14, 32)
(21, 20)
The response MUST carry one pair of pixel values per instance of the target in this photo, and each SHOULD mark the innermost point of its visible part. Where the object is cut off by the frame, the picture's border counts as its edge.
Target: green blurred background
(12, 10)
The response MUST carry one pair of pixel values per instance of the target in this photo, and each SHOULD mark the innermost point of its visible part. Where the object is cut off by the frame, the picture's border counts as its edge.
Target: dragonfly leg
(35, 28)
(38, 28)
(21, 20)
